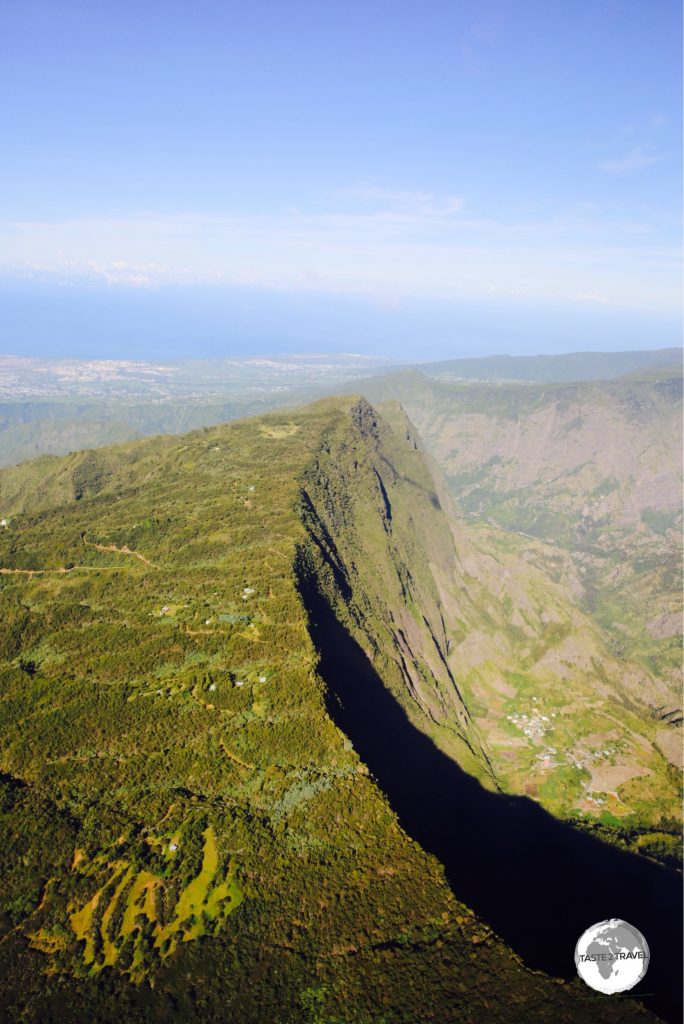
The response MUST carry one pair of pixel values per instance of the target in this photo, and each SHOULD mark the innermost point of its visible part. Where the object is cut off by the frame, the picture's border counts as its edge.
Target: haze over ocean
(418, 181)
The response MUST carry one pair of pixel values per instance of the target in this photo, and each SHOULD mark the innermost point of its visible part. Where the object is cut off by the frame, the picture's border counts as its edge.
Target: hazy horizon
(96, 322)
(433, 182)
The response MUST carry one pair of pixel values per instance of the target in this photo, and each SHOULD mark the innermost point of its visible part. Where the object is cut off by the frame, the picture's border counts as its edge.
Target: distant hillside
(32, 428)
(593, 472)
(62, 406)
(573, 366)
(563, 461)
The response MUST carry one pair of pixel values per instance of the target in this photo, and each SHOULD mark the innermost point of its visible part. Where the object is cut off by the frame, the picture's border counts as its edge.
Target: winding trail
(36, 572)
(62, 571)
(121, 551)
(234, 757)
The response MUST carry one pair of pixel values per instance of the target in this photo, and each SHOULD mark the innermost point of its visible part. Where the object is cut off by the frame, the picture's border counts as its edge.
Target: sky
(407, 179)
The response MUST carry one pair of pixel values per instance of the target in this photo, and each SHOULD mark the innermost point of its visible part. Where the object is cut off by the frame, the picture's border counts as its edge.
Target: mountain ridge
(57, 407)
(189, 805)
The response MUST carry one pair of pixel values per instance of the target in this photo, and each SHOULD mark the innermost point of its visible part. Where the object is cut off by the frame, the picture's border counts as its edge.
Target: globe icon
(612, 956)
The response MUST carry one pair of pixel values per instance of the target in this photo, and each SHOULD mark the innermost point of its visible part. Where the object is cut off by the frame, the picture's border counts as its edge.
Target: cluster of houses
(534, 726)
(546, 758)
(583, 758)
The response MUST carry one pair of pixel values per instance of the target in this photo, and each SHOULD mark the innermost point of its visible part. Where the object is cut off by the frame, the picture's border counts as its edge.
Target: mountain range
(356, 712)
(58, 406)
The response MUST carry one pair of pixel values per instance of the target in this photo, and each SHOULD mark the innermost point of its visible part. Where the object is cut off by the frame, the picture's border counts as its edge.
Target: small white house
(173, 847)
(212, 687)
(262, 679)
(239, 682)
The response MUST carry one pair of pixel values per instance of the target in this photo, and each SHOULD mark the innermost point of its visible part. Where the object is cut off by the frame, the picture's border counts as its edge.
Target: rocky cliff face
(479, 634)
(576, 463)
(377, 542)
(590, 471)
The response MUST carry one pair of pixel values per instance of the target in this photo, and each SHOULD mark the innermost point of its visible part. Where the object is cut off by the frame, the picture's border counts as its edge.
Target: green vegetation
(660, 521)
(146, 916)
(186, 834)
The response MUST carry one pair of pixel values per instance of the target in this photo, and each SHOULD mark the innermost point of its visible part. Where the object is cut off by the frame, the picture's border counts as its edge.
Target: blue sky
(412, 179)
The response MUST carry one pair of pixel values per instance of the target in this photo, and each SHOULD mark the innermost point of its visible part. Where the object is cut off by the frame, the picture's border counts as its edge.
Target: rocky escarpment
(372, 573)
(375, 534)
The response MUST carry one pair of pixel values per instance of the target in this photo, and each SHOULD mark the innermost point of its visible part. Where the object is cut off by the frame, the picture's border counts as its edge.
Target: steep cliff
(377, 540)
(480, 634)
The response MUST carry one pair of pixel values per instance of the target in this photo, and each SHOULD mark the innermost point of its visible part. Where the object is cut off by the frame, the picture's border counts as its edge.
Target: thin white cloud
(600, 300)
(420, 204)
(120, 272)
(634, 160)
(385, 244)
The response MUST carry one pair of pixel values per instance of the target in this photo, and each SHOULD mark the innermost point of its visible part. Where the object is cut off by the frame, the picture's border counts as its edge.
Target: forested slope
(188, 830)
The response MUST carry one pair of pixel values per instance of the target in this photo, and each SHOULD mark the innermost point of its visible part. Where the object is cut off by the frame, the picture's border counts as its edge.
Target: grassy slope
(31, 428)
(143, 586)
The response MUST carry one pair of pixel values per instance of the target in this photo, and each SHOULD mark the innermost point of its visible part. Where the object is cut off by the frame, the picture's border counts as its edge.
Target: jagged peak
(365, 418)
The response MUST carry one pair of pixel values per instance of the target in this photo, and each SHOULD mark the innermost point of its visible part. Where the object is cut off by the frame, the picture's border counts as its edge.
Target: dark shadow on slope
(538, 882)
(431, 495)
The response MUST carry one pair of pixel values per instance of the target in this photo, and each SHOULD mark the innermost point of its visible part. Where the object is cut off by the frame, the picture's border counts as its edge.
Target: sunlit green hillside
(187, 835)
